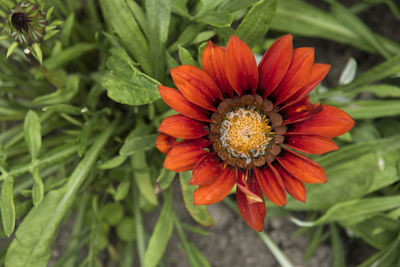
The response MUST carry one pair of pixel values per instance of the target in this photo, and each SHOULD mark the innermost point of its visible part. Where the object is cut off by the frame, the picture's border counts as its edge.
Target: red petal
(311, 144)
(304, 169)
(240, 66)
(213, 62)
(330, 122)
(318, 73)
(165, 142)
(296, 76)
(301, 111)
(275, 63)
(242, 183)
(252, 212)
(270, 186)
(206, 171)
(182, 127)
(216, 191)
(175, 100)
(183, 156)
(196, 86)
(294, 187)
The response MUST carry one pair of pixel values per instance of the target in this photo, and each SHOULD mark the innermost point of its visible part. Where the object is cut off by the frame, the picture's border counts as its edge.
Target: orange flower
(240, 124)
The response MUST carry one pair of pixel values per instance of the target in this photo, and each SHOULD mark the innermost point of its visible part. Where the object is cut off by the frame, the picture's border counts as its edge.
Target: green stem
(278, 254)
(141, 242)
(56, 156)
(50, 76)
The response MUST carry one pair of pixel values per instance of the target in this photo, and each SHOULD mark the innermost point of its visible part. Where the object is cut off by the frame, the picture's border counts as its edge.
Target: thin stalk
(140, 240)
(50, 76)
(278, 254)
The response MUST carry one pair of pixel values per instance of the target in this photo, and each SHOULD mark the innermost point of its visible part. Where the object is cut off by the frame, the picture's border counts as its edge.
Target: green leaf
(205, 6)
(377, 231)
(126, 230)
(371, 109)
(135, 144)
(179, 7)
(37, 52)
(36, 233)
(235, 5)
(143, 178)
(349, 72)
(255, 24)
(112, 163)
(165, 178)
(158, 17)
(347, 18)
(32, 134)
(161, 234)
(384, 70)
(122, 190)
(62, 95)
(67, 29)
(38, 188)
(126, 84)
(380, 90)
(386, 257)
(120, 19)
(65, 108)
(217, 18)
(7, 206)
(303, 19)
(11, 48)
(355, 211)
(70, 54)
(338, 259)
(316, 239)
(194, 256)
(84, 135)
(185, 57)
(112, 213)
(353, 171)
(199, 212)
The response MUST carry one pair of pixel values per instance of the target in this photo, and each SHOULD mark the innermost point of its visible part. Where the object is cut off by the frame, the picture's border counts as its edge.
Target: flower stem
(50, 76)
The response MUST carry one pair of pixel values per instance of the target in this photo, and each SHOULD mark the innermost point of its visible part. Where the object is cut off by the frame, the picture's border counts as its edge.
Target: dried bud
(26, 23)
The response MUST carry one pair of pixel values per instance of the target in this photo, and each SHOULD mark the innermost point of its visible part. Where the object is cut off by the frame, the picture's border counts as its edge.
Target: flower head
(241, 124)
(26, 23)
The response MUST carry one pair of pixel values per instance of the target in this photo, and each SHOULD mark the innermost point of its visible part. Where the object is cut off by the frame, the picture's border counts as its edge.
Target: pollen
(245, 133)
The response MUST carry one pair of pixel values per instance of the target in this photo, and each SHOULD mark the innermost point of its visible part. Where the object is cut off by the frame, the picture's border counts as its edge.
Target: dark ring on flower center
(246, 131)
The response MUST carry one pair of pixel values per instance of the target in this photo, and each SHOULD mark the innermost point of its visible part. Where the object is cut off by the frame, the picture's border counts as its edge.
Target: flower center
(245, 133)
(20, 21)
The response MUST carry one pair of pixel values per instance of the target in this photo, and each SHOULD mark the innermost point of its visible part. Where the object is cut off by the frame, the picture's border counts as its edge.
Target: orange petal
(330, 122)
(275, 63)
(184, 155)
(175, 100)
(242, 178)
(182, 127)
(270, 186)
(304, 169)
(301, 110)
(196, 86)
(252, 212)
(164, 142)
(240, 66)
(206, 171)
(294, 187)
(318, 73)
(296, 76)
(216, 191)
(311, 144)
(213, 62)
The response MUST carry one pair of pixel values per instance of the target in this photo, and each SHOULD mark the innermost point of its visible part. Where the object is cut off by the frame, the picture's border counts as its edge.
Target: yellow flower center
(245, 133)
